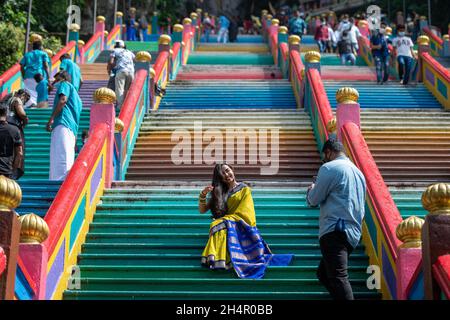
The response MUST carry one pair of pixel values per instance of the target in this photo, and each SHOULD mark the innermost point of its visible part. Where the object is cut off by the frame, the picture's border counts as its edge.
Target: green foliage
(52, 43)
(12, 39)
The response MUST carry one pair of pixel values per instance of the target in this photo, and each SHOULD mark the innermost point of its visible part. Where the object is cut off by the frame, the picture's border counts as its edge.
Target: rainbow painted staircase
(147, 236)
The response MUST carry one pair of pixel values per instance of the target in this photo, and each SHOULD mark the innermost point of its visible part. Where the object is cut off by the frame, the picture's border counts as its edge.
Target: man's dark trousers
(333, 268)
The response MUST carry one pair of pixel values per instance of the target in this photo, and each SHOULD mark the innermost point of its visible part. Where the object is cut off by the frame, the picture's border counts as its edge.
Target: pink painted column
(100, 27)
(35, 259)
(105, 113)
(348, 109)
(408, 261)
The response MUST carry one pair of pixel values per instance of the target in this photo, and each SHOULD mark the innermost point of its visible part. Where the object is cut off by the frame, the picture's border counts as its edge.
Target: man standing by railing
(340, 191)
(122, 62)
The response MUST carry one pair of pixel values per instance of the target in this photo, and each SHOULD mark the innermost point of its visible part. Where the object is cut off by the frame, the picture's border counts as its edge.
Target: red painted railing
(2, 261)
(176, 50)
(436, 66)
(61, 209)
(441, 273)
(434, 37)
(64, 50)
(129, 105)
(384, 206)
(160, 62)
(320, 97)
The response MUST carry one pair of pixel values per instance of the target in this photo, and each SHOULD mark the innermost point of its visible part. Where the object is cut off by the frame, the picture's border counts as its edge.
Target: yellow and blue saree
(234, 240)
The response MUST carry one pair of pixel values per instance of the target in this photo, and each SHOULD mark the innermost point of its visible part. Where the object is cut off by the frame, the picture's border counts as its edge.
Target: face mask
(401, 34)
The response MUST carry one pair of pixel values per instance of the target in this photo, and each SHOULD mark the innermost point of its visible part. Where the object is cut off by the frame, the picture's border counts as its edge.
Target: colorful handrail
(318, 106)
(283, 59)
(162, 72)
(296, 75)
(72, 210)
(113, 36)
(176, 60)
(436, 43)
(2, 261)
(132, 113)
(273, 42)
(441, 273)
(436, 78)
(92, 49)
(383, 216)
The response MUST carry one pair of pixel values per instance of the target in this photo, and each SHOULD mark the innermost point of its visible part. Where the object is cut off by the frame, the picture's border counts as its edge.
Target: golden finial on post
(331, 125)
(423, 18)
(164, 39)
(269, 17)
(133, 9)
(264, 12)
(143, 56)
(10, 194)
(34, 229)
(199, 11)
(409, 231)
(313, 57)
(100, 19)
(187, 21)
(193, 15)
(81, 43)
(446, 37)
(283, 30)
(49, 52)
(104, 95)
(294, 40)
(347, 95)
(423, 40)
(388, 31)
(105, 33)
(152, 73)
(119, 14)
(118, 126)
(436, 199)
(178, 28)
(275, 22)
(74, 27)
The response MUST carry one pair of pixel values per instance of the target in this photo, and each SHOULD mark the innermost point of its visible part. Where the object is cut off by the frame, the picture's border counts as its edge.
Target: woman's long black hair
(219, 195)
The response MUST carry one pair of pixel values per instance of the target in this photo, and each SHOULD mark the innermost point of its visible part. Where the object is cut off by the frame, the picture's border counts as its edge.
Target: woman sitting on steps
(234, 239)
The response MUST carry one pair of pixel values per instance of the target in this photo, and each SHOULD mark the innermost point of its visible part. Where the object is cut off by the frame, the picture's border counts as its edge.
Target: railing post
(312, 60)
(423, 22)
(103, 111)
(143, 61)
(348, 109)
(424, 46)
(282, 38)
(164, 44)
(119, 21)
(195, 29)
(10, 198)
(435, 233)
(105, 39)
(446, 45)
(409, 254)
(33, 254)
(155, 26)
(100, 27)
(263, 24)
(74, 35)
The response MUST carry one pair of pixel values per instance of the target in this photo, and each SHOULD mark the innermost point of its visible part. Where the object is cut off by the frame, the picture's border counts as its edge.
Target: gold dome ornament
(119, 14)
(49, 52)
(105, 33)
(178, 28)
(164, 39)
(193, 15)
(104, 95)
(347, 95)
(294, 40)
(313, 57)
(275, 22)
(10, 194)
(331, 125)
(436, 199)
(269, 17)
(143, 56)
(74, 27)
(446, 37)
(132, 9)
(81, 43)
(409, 231)
(100, 19)
(423, 41)
(34, 229)
(283, 30)
(264, 12)
(187, 21)
(118, 126)
(388, 31)
(152, 73)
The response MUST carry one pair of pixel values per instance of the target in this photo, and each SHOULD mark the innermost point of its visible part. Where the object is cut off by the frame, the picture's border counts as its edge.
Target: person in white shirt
(405, 54)
(332, 39)
(354, 34)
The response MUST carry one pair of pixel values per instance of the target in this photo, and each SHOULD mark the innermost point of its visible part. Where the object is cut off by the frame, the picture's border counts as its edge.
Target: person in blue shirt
(380, 53)
(63, 124)
(340, 191)
(297, 26)
(33, 62)
(42, 89)
(73, 69)
(223, 31)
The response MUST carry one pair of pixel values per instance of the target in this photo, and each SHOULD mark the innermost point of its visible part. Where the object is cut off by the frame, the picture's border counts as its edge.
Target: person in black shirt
(10, 147)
